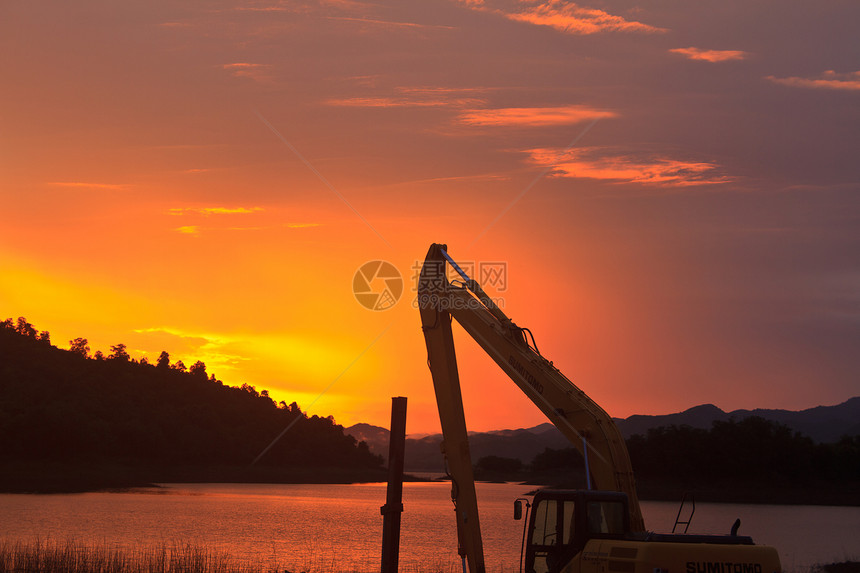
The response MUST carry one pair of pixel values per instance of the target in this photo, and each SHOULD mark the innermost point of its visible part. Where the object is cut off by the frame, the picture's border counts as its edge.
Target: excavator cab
(563, 521)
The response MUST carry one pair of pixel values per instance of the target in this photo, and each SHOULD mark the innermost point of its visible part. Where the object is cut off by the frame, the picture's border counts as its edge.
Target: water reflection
(338, 527)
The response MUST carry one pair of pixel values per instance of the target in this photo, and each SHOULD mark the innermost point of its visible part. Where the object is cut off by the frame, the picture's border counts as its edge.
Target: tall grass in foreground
(74, 557)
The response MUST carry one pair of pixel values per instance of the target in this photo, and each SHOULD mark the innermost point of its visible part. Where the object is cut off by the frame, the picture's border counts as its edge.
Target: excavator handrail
(580, 419)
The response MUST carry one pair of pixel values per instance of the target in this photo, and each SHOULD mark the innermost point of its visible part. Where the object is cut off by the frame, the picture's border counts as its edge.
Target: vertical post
(585, 456)
(394, 497)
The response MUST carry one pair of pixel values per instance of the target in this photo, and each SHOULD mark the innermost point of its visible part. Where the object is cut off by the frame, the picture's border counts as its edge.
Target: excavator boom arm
(580, 419)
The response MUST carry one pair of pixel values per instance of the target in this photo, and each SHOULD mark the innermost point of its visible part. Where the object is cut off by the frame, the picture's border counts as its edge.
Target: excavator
(599, 529)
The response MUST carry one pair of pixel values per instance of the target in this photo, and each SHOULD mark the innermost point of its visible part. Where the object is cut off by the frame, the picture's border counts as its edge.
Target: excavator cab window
(606, 517)
(545, 533)
(552, 537)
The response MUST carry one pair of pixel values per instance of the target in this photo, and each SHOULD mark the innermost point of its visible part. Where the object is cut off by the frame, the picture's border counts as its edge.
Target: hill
(66, 417)
(824, 424)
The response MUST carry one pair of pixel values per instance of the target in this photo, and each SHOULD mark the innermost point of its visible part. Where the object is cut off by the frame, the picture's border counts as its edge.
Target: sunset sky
(672, 187)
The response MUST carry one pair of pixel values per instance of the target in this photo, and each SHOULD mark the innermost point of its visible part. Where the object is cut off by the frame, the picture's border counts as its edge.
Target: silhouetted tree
(198, 369)
(98, 355)
(119, 352)
(163, 360)
(24, 328)
(80, 346)
(179, 366)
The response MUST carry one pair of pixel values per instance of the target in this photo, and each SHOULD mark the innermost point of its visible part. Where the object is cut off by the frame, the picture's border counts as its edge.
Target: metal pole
(394, 497)
(585, 455)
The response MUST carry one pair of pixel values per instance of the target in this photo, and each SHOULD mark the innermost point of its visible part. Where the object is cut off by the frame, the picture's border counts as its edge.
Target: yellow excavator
(596, 530)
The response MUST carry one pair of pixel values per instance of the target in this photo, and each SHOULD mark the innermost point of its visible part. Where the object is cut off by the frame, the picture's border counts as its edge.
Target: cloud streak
(90, 185)
(713, 56)
(206, 211)
(256, 72)
(829, 80)
(567, 17)
(414, 97)
(390, 23)
(196, 230)
(213, 349)
(596, 163)
(533, 116)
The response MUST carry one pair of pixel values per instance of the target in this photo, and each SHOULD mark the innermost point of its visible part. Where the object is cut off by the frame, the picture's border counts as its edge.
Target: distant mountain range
(823, 424)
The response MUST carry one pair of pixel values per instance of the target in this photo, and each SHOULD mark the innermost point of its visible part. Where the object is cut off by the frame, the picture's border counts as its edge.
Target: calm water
(338, 527)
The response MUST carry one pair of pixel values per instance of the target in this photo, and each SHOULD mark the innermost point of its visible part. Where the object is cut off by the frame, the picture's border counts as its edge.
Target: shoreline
(64, 479)
(54, 478)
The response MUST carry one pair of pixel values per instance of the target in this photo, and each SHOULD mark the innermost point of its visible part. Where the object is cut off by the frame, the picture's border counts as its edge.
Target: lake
(338, 527)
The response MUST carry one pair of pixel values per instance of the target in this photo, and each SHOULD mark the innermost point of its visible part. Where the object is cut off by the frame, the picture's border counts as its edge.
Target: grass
(73, 557)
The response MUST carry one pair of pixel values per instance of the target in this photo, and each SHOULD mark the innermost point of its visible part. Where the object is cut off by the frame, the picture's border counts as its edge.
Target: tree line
(69, 406)
(752, 451)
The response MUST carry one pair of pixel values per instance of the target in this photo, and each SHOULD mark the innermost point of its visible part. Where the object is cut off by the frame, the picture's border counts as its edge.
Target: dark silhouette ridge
(824, 424)
(748, 460)
(61, 409)
(752, 460)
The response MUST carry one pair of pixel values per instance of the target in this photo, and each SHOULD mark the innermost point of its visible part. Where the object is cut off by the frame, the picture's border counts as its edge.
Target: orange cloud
(389, 23)
(567, 17)
(438, 90)
(713, 56)
(593, 163)
(414, 97)
(459, 178)
(197, 229)
(91, 185)
(369, 80)
(533, 116)
(215, 210)
(384, 102)
(256, 72)
(283, 226)
(829, 80)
